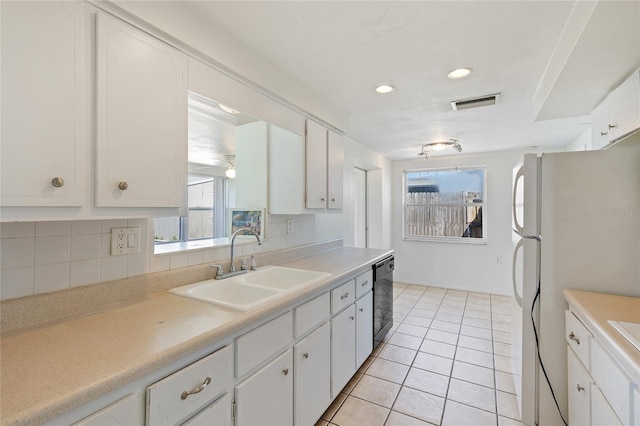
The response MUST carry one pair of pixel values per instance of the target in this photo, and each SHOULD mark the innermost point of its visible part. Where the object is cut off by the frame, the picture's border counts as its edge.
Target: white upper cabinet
(44, 139)
(316, 165)
(141, 118)
(618, 115)
(324, 167)
(335, 163)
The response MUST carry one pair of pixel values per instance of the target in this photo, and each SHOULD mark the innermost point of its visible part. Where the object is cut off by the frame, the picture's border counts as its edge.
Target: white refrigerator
(576, 221)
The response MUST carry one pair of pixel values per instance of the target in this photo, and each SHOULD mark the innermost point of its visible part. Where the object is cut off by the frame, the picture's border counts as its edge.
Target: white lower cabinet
(312, 367)
(343, 349)
(216, 414)
(266, 397)
(181, 395)
(364, 328)
(600, 392)
(123, 412)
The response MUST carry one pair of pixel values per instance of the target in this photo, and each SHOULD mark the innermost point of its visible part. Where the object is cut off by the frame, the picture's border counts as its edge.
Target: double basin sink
(250, 290)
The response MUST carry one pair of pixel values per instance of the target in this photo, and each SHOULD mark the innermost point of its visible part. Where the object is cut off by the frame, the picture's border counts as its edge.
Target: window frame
(445, 239)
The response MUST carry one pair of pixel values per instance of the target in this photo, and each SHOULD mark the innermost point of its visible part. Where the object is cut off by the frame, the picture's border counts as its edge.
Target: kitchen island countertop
(52, 368)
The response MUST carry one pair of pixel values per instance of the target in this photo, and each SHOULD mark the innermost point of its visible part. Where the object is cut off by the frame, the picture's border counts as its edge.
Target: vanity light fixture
(459, 73)
(440, 146)
(231, 167)
(385, 88)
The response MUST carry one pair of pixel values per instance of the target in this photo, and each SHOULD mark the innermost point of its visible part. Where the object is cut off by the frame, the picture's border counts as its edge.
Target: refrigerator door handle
(519, 175)
(529, 237)
(518, 246)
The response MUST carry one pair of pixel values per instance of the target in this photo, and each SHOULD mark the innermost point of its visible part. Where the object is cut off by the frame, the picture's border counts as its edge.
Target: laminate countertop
(595, 310)
(52, 368)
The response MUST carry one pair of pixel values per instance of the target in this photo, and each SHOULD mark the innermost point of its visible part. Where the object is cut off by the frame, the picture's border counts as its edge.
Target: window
(445, 204)
(206, 217)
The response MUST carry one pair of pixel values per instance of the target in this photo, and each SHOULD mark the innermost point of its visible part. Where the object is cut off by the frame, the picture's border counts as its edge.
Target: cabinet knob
(574, 338)
(323, 199)
(123, 185)
(344, 296)
(352, 318)
(199, 389)
(361, 309)
(285, 371)
(603, 133)
(58, 182)
(611, 126)
(580, 388)
(305, 355)
(333, 200)
(364, 284)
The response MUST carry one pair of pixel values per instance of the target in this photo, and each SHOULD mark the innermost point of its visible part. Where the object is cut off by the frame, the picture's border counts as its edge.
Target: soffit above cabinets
(599, 48)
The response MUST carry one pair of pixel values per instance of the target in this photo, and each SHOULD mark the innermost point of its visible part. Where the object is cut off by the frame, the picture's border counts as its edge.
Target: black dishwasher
(382, 299)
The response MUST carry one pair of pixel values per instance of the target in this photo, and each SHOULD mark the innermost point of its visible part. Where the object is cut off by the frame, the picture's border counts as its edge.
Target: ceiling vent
(475, 102)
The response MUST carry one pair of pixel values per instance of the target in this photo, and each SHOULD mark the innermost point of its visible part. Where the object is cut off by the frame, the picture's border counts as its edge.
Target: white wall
(461, 266)
(582, 142)
(340, 225)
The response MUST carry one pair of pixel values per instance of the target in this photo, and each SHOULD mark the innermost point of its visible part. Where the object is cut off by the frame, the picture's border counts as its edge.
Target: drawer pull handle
(574, 338)
(344, 296)
(199, 389)
(285, 371)
(305, 355)
(361, 309)
(580, 388)
(352, 318)
(365, 283)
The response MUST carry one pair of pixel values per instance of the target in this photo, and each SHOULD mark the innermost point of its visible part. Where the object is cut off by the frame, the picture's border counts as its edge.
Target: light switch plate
(125, 241)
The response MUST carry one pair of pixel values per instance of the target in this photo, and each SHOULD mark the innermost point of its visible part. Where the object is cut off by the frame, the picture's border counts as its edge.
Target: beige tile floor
(446, 361)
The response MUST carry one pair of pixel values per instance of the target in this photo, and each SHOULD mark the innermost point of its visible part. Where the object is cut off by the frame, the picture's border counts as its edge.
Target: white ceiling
(343, 49)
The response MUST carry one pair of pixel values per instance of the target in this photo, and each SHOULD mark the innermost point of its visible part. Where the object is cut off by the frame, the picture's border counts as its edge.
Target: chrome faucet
(232, 269)
(244, 230)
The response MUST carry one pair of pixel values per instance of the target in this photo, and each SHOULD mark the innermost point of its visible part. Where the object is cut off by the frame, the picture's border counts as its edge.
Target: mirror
(227, 168)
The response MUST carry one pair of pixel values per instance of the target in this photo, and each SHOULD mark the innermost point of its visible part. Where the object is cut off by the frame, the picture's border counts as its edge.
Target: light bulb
(439, 146)
(230, 173)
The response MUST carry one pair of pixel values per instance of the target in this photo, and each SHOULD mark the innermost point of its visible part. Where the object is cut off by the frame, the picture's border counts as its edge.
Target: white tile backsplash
(51, 277)
(17, 229)
(39, 257)
(16, 282)
(17, 252)
(54, 249)
(44, 229)
(85, 246)
(83, 272)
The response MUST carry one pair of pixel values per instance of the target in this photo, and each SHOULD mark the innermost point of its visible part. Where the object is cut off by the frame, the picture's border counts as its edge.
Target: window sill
(474, 241)
(186, 246)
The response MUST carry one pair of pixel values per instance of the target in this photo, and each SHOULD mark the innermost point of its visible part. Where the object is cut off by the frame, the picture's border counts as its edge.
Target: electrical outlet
(125, 241)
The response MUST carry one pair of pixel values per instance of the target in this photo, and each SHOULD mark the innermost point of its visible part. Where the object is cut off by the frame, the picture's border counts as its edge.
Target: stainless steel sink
(248, 291)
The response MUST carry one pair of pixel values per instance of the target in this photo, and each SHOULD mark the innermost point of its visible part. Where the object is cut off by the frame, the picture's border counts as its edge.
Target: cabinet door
(579, 383)
(286, 171)
(599, 126)
(125, 412)
(316, 166)
(44, 142)
(601, 412)
(266, 397)
(364, 328)
(312, 378)
(335, 169)
(624, 108)
(343, 349)
(217, 414)
(141, 119)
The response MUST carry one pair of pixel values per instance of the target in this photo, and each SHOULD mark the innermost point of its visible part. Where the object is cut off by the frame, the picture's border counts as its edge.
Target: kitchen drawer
(122, 412)
(579, 383)
(364, 284)
(578, 337)
(217, 414)
(343, 296)
(213, 374)
(613, 383)
(312, 313)
(258, 345)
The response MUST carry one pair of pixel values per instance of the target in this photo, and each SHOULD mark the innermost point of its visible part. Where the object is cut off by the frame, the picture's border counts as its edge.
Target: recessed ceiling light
(459, 73)
(385, 88)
